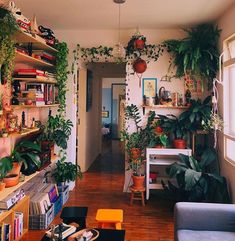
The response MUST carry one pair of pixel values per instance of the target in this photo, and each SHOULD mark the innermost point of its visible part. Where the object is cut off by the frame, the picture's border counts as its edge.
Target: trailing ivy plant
(62, 74)
(7, 46)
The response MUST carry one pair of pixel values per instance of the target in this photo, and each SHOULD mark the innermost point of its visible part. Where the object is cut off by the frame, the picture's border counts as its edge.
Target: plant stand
(137, 194)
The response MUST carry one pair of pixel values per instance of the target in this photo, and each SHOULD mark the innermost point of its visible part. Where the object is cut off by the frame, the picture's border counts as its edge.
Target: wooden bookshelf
(35, 80)
(7, 217)
(37, 41)
(20, 57)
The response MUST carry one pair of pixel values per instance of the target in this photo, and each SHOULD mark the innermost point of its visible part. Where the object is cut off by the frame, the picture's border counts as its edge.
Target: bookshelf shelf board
(20, 58)
(26, 133)
(34, 80)
(8, 191)
(37, 41)
(20, 107)
(165, 107)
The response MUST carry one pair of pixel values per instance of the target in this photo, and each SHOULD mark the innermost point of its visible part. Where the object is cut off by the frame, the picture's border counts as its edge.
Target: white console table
(166, 158)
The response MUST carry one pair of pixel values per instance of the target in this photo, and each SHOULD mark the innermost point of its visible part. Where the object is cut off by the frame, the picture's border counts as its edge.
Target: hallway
(102, 187)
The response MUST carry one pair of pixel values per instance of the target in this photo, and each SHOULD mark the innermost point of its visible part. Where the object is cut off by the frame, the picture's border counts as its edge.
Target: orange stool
(109, 218)
(137, 194)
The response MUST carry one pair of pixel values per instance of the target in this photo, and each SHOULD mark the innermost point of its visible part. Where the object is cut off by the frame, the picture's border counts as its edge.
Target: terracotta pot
(158, 130)
(2, 186)
(159, 146)
(139, 44)
(11, 180)
(179, 144)
(135, 153)
(138, 181)
(16, 168)
(139, 66)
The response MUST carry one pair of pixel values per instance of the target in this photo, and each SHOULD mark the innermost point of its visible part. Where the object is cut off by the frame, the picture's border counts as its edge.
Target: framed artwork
(89, 90)
(105, 114)
(149, 87)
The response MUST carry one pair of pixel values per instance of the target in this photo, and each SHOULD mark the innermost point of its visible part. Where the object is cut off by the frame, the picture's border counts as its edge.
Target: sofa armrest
(205, 216)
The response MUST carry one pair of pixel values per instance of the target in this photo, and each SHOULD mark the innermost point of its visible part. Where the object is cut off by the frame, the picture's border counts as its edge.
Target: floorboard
(102, 187)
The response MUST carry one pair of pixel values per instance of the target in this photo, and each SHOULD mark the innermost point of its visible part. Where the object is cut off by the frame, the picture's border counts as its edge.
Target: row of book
(5, 230)
(35, 74)
(42, 196)
(39, 94)
(18, 224)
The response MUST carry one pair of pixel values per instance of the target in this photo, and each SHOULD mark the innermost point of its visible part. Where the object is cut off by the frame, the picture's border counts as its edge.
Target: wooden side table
(137, 194)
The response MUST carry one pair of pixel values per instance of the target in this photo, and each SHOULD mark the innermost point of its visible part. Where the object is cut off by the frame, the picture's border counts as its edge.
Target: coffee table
(107, 235)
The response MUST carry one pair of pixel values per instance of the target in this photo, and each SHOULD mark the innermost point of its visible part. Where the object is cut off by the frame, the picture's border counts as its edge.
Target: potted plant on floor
(136, 142)
(175, 126)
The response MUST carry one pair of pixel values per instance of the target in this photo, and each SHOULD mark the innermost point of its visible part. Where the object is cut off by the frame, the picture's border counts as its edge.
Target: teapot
(164, 94)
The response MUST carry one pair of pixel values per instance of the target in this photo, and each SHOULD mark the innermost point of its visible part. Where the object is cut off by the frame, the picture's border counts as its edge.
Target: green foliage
(7, 46)
(159, 140)
(172, 124)
(66, 171)
(25, 151)
(5, 167)
(194, 181)
(61, 69)
(197, 55)
(57, 130)
(198, 113)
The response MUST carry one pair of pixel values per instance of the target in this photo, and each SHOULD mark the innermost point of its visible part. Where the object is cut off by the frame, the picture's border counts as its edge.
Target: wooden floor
(102, 187)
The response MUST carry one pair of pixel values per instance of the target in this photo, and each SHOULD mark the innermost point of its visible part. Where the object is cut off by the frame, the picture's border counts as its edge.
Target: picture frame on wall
(105, 114)
(149, 87)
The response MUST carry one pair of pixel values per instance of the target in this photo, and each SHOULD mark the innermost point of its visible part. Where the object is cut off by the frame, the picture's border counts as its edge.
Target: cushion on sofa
(193, 235)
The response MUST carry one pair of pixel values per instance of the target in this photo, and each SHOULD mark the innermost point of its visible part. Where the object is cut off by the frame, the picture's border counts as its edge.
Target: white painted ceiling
(103, 14)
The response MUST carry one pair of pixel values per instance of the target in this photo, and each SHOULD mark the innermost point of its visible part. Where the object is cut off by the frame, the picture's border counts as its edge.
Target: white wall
(226, 23)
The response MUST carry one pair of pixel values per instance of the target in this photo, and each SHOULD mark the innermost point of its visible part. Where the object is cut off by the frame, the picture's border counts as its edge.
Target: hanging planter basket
(139, 66)
(139, 44)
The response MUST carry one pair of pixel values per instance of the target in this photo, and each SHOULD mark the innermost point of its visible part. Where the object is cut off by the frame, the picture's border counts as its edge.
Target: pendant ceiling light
(119, 52)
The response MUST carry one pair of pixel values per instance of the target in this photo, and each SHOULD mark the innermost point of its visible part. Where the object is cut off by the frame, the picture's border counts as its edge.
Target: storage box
(64, 193)
(58, 205)
(41, 221)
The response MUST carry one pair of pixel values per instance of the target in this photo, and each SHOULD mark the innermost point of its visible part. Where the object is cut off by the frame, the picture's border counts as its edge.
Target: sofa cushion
(195, 235)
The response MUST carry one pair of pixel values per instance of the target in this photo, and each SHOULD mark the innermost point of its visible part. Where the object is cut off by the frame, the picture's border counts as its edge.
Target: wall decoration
(89, 90)
(149, 87)
(194, 86)
(105, 114)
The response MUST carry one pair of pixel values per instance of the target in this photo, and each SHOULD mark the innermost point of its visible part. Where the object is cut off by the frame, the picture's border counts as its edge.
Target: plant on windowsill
(195, 183)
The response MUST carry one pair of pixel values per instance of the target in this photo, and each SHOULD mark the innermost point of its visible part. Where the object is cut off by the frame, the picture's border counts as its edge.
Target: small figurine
(23, 120)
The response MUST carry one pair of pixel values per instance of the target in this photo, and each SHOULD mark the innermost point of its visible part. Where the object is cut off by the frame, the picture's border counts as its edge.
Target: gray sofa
(204, 222)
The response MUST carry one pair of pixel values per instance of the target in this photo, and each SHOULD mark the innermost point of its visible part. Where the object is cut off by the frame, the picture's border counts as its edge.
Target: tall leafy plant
(194, 180)
(197, 55)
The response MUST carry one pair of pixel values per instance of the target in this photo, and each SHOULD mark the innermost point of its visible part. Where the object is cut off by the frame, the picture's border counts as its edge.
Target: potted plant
(198, 113)
(136, 142)
(24, 152)
(195, 57)
(65, 172)
(175, 126)
(194, 182)
(159, 141)
(5, 167)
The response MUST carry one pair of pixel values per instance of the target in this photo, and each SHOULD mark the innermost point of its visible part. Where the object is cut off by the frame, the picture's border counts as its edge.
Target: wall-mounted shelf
(26, 133)
(20, 107)
(164, 107)
(20, 57)
(37, 42)
(35, 80)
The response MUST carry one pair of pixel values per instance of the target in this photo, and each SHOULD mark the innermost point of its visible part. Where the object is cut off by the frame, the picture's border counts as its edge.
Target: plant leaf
(191, 179)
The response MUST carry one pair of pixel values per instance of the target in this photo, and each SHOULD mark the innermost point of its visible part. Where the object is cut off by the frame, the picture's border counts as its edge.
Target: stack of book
(18, 224)
(62, 229)
(5, 231)
(31, 74)
(43, 55)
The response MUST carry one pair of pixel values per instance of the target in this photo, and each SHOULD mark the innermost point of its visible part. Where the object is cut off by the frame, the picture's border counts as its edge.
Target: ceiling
(103, 14)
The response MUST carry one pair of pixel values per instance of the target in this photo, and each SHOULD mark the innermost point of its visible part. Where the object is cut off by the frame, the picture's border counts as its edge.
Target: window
(229, 98)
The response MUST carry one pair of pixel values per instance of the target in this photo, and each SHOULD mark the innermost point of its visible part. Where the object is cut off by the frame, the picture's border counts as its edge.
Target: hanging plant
(197, 55)
(61, 74)
(7, 45)
(139, 66)
(137, 42)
